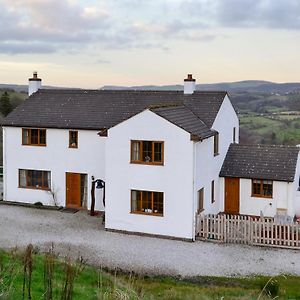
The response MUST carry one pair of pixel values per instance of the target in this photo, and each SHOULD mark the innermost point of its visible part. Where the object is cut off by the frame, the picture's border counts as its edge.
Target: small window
(213, 191)
(216, 144)
(234, 135)
(262, 188)
(200, 200)
(147, 152)
(147, 202)
(33, 137)
(73, 139)
(35, 179)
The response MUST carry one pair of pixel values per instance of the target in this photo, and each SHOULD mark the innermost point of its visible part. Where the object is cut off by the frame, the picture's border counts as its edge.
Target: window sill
(216, 154)
(73, 147)
(34, 188)
(147, 164)
(34, 145)
(261, 196)
(200, 211)
(147, 214)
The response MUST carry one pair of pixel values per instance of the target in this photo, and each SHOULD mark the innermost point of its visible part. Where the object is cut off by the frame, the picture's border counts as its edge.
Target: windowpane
(135, 148)
(216, 144)
(43, 137)
(147, 202)
(200, 200)
(147, 151)
(213, 191)
(73, 139)
(267, 188)
(34, 136)
(262, 188)
(158, 152)
(35, 179)
(25, 136)
(22, 178)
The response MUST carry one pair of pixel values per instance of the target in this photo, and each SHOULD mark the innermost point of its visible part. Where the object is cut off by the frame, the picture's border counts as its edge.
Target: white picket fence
(248, 230)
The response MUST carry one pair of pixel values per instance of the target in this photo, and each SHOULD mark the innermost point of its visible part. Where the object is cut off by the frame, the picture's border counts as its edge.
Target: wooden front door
(232, 195)
(73, 188)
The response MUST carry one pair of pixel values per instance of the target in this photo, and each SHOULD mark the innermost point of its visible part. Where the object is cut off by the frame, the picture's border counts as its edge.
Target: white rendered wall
(208, 166)
(174, 178)
(295, 189)
(56, 157)
(268, 206)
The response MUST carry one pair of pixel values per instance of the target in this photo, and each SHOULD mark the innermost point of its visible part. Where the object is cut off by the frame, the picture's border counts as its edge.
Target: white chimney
(189, 85)
(35, 84)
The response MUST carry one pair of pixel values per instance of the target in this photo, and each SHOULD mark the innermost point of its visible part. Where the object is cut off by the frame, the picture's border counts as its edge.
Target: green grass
(279, 129)
(95, 283)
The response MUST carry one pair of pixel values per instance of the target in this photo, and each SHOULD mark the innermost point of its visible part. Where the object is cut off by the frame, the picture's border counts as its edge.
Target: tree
(5, 105)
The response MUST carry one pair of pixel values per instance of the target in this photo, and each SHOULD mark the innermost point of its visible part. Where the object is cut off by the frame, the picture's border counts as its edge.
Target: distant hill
(250, 86)
(247, 86)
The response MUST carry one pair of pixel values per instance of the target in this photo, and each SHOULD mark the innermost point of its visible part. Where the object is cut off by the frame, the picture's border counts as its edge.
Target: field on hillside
(29, 275)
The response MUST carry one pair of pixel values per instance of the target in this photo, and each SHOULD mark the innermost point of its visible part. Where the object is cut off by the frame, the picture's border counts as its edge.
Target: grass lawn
(95, 283)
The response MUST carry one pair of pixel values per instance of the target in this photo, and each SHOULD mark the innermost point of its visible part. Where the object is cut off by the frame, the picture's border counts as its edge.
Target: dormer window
(73, 139)
(33, 137)
(147, 152)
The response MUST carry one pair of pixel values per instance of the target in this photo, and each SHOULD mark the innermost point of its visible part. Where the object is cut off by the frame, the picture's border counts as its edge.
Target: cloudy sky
(92, 43)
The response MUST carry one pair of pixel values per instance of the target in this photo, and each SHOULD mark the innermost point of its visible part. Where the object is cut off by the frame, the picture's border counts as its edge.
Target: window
(213, 191)
(146, 202)
(216, 144)
(262, 188)
(234, 135)
(147, 152)
(73, 139)
(34, 137)
(200, 200)
(34, 179)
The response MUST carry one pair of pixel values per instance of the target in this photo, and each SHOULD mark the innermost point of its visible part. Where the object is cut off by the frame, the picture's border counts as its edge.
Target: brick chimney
(189, 84)
(35, 84)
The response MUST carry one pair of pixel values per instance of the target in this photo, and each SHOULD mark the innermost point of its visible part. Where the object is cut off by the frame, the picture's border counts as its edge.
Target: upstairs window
(146, 202)
(216, 144)
(34, 137)
(147, 152)
(73, 139)
(35, 179)
(262, 188)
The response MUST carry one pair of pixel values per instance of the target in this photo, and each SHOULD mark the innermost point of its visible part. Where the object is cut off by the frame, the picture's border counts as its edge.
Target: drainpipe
(194, 175)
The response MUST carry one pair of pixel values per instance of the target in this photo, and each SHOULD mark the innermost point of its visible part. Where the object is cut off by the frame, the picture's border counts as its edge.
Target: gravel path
(80, 234)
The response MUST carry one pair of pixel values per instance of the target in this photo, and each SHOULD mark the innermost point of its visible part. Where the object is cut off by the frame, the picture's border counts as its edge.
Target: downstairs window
(146, 202)
(34, 179)
(262, 188)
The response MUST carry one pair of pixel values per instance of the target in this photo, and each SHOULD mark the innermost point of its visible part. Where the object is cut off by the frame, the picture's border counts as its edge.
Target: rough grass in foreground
(45, 276)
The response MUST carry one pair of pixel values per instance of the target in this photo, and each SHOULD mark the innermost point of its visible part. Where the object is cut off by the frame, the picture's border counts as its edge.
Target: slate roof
(184, 118)
(272, 162)
(103, 109)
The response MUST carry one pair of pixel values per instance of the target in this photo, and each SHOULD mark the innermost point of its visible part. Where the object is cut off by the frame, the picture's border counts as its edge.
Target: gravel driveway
(80, 234)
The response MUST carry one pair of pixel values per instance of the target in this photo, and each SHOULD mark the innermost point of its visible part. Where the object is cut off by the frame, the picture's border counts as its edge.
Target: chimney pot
(189, 84)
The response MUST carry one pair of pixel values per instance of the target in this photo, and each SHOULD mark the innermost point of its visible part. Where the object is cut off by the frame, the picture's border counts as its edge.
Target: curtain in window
(22, 176)
(48, 176)
(135, 151)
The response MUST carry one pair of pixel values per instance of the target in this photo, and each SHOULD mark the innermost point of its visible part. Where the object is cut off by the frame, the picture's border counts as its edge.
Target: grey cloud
(25, 48)
(273, 14)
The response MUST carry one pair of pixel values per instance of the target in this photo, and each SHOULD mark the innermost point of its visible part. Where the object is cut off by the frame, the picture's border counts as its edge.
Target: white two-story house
(160, 154)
